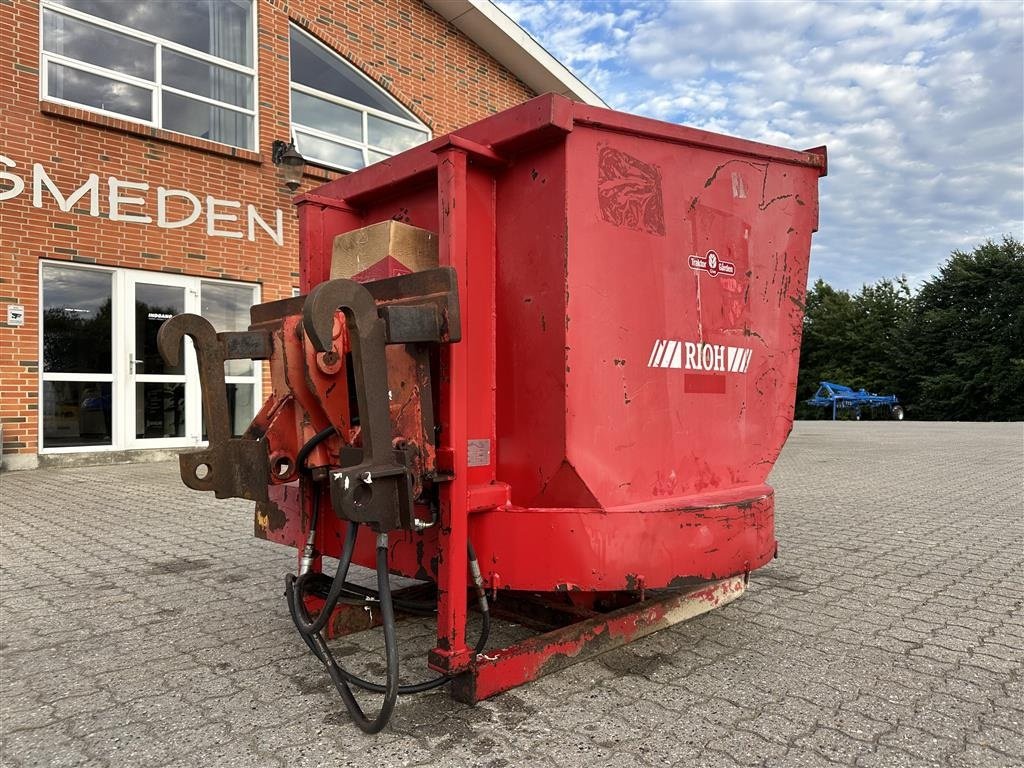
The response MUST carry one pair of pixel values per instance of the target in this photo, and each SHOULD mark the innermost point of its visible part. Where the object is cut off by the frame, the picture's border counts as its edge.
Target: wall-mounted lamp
(291, 163)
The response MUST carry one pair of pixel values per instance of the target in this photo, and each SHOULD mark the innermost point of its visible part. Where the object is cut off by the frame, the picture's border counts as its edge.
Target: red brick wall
(428, 65)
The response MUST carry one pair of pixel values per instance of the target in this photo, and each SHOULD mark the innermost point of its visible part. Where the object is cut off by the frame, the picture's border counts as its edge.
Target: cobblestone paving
(142, 625)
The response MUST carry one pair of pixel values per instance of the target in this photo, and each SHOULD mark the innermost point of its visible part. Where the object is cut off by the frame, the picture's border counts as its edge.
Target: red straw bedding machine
(543, 364)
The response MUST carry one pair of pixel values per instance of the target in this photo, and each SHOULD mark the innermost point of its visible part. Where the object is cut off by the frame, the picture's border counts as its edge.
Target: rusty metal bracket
(412, 304)
(228, 466)
(418, 307)
(378, 490)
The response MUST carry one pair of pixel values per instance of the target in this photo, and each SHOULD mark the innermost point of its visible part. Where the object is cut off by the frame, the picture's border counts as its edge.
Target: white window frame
(156, 86)
(254, 377)
(365, 146)
(122, 424)
(117, 351)
(129, 379)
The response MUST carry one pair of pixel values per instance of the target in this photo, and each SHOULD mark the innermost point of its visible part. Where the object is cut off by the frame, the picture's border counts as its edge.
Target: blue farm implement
(838, 398)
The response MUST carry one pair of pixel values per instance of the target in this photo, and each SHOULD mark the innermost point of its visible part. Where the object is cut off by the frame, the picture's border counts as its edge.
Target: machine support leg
(497, 671)
(452, 654)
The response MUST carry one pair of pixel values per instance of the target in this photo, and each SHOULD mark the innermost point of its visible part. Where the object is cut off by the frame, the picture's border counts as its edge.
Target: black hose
(300, 463)
(300, 616)
(337, 586)
(355, 594)
(435, 682)
(313, 442)
(310, 630)
(421, 607)
(340, 677)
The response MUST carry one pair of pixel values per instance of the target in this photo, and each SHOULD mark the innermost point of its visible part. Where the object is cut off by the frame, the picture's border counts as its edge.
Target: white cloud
(920, 103)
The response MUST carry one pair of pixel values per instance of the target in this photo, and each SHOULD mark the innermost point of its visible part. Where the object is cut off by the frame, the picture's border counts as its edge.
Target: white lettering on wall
(212, 217)
(162, 194)
(116, 200)
(18, 186)
(91, 185)
(277, 235)
(122, 206)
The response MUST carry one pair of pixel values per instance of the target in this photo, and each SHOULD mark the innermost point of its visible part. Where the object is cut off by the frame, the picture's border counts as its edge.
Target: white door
(104, 385)
(162, 401)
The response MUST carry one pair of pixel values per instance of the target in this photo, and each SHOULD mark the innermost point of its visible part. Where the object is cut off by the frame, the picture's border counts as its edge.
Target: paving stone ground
(143, 625)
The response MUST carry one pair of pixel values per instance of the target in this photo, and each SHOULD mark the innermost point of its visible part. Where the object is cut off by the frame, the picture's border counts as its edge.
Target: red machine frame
(602, 564)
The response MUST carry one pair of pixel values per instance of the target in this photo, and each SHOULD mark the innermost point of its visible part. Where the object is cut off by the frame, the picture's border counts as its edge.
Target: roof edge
(492, 29)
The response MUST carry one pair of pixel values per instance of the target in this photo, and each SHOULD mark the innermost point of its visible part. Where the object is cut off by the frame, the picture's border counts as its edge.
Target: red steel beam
(497, 671)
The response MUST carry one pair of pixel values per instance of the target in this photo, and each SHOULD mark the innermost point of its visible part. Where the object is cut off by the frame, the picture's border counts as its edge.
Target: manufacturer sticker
(478, 453)
(712, 264)
(697, 356)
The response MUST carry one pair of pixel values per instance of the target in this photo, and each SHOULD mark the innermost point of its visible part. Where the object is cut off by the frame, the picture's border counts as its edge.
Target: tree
(967, 355)
(858, 340)
(953, 351)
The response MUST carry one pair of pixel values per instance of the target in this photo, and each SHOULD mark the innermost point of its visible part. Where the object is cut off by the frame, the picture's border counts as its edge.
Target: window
(226, 306)
(186, 66)
(340, 118)
(104, 384)
(77, 356)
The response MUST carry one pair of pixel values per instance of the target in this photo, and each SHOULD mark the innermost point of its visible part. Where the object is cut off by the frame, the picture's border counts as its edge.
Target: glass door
(226, 306)
(78, 403)
(104, 385)
(163, 410)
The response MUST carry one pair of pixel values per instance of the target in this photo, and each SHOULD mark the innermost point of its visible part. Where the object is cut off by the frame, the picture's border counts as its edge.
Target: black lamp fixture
(291, 163)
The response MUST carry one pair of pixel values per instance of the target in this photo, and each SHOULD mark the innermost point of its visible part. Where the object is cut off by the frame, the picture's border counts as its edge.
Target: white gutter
(489, 27)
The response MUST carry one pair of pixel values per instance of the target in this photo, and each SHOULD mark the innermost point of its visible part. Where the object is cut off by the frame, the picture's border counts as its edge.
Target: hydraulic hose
(297, 607)
(341, 590)
(313, 442)
(337, 586)
(309, 550)
(340, 677)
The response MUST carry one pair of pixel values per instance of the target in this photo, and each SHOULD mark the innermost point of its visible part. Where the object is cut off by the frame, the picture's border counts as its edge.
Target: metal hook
(379, 489)
(210, 356)
(367, 337)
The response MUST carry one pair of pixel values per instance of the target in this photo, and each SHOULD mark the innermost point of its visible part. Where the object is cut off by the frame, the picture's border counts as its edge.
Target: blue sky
(921, 105)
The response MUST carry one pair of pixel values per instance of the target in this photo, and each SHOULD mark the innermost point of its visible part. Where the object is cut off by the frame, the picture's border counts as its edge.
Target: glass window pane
(227, 309)
(376, 157)
(153, 305)
(76, 413)
(159, 409)
(218, 27)
(205, 79)
(76, 320)
(328, 153)
(316, 66)
(327, 117)
(392, 136)
(95, 45)
(98, 92)
(197, 118)
(241, 408)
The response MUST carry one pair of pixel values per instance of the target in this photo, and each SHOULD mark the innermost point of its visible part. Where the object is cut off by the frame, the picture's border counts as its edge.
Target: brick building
(137, 181)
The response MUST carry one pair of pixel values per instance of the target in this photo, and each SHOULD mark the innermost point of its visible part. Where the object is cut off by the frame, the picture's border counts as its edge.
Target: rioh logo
(698, 356)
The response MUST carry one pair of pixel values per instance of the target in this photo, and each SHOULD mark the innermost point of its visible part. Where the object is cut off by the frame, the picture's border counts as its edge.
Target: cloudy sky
(921, 105)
